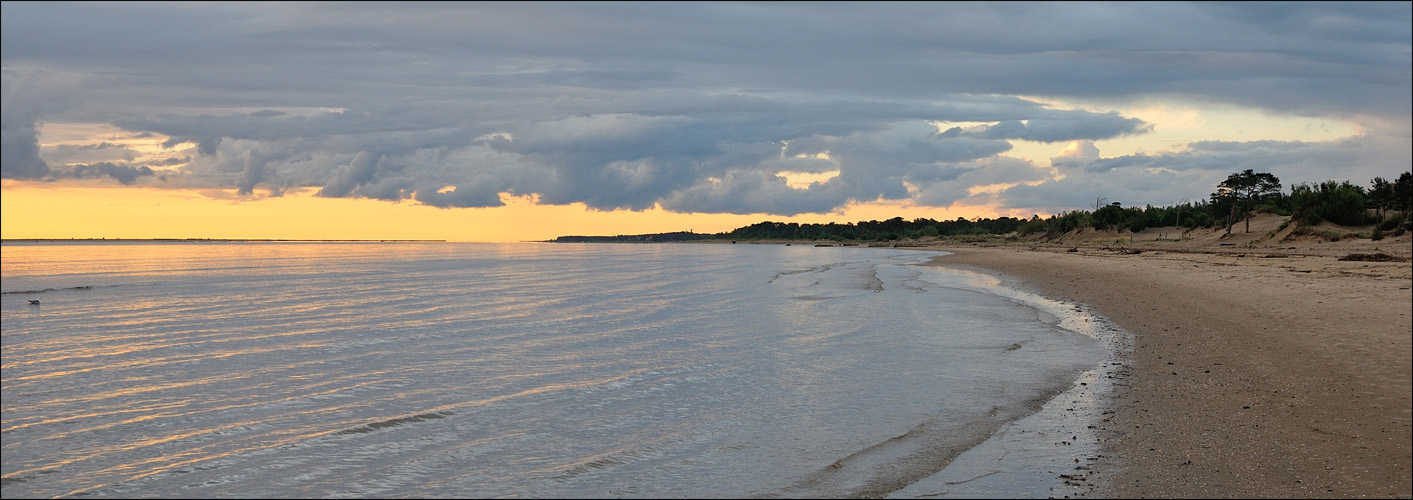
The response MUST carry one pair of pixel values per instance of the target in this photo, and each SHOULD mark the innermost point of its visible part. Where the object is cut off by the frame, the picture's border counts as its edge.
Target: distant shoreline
(201, 240)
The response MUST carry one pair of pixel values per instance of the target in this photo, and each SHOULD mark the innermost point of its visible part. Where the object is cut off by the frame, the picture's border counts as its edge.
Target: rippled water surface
(485, 370)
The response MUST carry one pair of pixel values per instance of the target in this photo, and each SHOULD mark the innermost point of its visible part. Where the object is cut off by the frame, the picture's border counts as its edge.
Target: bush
(1323, 235)
(1338, 202)
(1272, 206)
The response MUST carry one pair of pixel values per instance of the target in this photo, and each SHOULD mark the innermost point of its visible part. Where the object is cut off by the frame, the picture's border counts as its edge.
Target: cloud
(63, 154)
(1195, 172)
(358, 171)
(741, 191)
(26, 95)
(124, 174)
(1085, 126)
(476, 194)
(607, 161)
(1082, 153)
(20, 151)
(874, 164)
(944, 185)
(695, 106)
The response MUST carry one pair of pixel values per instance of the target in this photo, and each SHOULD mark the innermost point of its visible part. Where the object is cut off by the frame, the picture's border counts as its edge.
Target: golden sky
(74, 209)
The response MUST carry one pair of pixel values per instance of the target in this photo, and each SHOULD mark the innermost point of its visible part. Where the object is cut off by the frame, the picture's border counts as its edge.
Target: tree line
(1387, 204)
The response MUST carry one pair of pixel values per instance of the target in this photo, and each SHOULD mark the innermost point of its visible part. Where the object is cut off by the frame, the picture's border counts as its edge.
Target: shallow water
(485, 370)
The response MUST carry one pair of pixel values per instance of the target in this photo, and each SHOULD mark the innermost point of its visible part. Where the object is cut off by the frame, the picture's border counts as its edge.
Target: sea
(536, 370)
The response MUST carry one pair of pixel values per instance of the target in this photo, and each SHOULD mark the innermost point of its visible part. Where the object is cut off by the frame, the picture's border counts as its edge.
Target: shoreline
(1247, 377)
(1049, 452)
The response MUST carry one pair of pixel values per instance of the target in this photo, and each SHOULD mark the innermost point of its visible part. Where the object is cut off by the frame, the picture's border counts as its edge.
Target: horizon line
(265, 240)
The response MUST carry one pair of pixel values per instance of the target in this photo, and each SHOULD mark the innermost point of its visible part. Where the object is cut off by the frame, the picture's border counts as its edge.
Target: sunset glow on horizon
(92, 211)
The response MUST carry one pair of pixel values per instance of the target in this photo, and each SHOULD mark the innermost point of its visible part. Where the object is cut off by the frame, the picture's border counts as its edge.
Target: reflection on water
(543, 370)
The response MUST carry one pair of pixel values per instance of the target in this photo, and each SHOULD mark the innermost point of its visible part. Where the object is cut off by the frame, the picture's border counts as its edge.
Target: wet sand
(1273, 373)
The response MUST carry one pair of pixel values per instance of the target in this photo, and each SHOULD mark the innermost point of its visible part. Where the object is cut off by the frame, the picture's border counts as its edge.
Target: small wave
(25, 292)
(586, 468)
(819, 269)
(17, 479)
(896, 462)
(615, 459)
(394, 423)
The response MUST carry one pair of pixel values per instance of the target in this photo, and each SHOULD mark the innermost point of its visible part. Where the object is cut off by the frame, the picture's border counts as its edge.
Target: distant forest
(1385, 204)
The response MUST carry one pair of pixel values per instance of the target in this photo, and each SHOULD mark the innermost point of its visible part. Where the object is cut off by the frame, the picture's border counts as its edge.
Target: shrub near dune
(1338, 202)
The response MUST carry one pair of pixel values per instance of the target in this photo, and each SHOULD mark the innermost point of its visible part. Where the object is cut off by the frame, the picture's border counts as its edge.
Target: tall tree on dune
(1244, 188)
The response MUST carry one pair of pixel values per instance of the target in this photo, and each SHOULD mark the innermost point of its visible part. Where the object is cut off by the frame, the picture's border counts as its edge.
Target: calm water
(528, 370)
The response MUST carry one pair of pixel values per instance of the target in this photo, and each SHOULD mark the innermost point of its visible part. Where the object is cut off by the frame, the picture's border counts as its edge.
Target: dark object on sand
(1377, 257)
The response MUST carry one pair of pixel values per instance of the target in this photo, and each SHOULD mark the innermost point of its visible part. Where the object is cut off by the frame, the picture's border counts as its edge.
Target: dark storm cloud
(19, 151)
(695, 106)
(24, 97)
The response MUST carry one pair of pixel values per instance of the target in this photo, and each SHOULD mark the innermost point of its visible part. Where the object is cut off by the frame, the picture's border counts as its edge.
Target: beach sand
(1261, 365)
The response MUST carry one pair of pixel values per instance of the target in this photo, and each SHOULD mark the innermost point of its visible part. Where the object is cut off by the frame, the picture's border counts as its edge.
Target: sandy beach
(1262, 365)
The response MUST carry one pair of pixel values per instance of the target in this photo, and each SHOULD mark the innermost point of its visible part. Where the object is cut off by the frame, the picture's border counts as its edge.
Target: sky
(520, 121)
